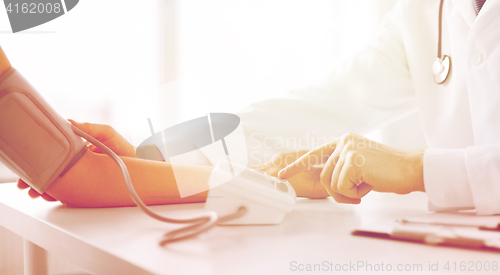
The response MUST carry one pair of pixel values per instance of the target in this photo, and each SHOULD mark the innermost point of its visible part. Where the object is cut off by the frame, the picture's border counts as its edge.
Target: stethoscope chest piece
(441, 69)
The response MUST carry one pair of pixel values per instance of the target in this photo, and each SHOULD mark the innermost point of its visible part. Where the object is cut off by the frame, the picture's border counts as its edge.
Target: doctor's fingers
(341, 198)
(349, 180)
(329, 179)
(335, 161)
(314, 157)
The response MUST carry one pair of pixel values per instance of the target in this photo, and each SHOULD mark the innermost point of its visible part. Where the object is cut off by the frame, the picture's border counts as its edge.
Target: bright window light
(96, 63)
(232, 53)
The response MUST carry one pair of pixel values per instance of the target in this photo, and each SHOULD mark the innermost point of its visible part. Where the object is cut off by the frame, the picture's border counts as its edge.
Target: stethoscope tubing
(440, 28)
(442, 66)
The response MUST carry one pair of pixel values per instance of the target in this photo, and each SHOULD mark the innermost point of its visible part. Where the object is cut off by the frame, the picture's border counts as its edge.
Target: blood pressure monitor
(266, 198)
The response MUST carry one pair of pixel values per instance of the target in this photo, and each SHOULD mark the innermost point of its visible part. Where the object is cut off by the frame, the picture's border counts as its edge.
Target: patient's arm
(96, 181)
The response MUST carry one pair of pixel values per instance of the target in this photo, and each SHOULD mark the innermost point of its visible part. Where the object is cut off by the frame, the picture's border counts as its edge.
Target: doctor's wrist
(416, 170)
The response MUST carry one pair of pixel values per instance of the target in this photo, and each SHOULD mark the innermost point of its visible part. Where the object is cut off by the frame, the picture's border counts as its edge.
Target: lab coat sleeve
(483, 172)
(365, 93)
(458, 179)
(445, 180)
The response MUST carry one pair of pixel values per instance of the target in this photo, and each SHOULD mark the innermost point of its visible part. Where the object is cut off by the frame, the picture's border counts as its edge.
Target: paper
(451, 229)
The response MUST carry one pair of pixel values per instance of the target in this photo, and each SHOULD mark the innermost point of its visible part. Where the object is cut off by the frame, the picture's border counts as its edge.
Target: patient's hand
(108, 136)
(105, 134)
(34, 194)
(306, 184)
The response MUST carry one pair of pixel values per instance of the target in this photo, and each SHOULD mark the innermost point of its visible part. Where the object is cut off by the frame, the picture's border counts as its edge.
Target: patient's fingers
(108, 136)
(33, 193)
(47, 197)
(94, 149)
(100, 132)
(21, 184)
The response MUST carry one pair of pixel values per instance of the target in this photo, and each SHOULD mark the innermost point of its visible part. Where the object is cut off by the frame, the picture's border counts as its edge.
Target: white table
(125, 241)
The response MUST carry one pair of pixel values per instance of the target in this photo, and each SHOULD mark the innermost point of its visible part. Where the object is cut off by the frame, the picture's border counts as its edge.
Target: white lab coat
(393, 78)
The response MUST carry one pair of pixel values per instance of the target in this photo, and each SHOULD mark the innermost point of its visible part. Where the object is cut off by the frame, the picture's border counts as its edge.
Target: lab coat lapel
(483, 84)
(466, 8)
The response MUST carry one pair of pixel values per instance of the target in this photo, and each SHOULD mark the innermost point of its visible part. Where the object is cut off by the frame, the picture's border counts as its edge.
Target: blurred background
(120, 62)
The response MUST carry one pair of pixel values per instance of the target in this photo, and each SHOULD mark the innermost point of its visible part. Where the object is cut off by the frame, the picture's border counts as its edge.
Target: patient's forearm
(96, 181)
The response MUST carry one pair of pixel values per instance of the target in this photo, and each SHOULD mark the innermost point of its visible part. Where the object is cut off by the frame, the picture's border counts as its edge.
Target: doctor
(390, 79)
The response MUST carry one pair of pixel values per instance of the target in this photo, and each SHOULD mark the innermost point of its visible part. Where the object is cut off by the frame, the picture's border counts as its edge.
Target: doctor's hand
(306, 184)
(355, 165)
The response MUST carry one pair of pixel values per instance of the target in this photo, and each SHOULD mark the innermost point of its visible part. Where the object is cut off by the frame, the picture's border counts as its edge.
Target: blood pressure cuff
(36, 143)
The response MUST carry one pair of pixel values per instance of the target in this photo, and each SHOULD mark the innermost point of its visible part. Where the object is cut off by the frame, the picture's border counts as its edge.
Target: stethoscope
(442, 66)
